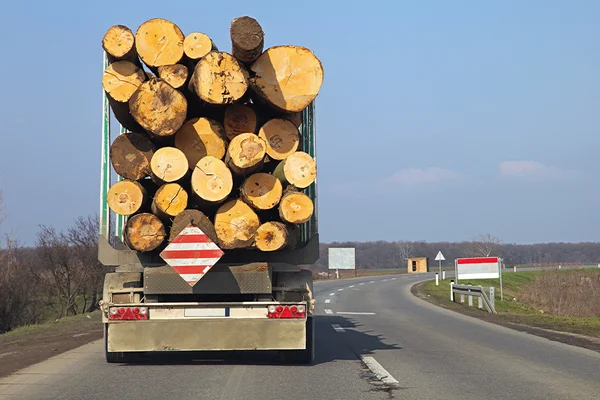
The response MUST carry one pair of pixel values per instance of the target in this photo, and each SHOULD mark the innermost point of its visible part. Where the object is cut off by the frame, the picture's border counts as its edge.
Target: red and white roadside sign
(477, 268)
(191, 254)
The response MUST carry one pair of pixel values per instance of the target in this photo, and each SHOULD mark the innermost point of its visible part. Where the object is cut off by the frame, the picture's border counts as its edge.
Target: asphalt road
(416, 351)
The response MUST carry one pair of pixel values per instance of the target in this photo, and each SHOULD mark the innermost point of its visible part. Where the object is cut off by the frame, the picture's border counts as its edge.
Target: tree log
(196, 45)
(219, 79)
(299, 169)
(245, 153)
(282, 138)
(130, 155)
(120, 80)
(201, 137)
(239, 118)
(273, 236)
(211, 180)
(295, 118)
(236, 225)
(168, 164)
(144, 232)
(175, 75)
(119, 44)
(287, 77)
(261, 191)
(159, 42)
(194, 217)
(169, 201)
(126, 197)
(158, 108)
(247, 39)
(295, 207)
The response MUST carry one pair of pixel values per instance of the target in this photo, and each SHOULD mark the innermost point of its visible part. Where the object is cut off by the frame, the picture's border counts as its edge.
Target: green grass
(512, 308)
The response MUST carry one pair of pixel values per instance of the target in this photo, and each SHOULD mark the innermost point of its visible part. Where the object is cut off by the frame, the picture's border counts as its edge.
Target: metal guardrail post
(493, 297)
(480, 303)
(470, 297)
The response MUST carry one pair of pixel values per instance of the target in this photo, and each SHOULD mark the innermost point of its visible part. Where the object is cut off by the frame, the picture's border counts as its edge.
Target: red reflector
(294, 309)
(128, 314)
(121, 310)
(136, 310)
(279, 309)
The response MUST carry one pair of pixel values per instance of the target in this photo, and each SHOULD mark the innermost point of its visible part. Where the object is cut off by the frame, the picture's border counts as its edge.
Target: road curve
(415, 350)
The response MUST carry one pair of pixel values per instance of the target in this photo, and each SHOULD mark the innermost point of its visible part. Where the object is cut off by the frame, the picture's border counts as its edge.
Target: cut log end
(239, 119)
(168, 164)
(246, 153)
(196, 218)
(282, 138)
(159, 42)
(169, 201)
(262, 191)
(287, 77)
(175, 75)
(130, 155)
(219, 79)
(196, 45)
(158, 107)
(247, 39)
(271, 236)
(201, 137)
(295, 208)
(299, 169)
(236, 225)
(118, 41)
(126, 197)
(144, 232)
(121, 79)
(212, 180)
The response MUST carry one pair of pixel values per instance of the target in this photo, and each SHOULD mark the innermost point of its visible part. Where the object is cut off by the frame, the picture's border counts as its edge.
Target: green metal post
(104, 162)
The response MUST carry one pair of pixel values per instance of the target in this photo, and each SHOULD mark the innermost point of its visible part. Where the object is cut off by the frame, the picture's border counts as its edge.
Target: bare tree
(405, 250)
(484, 246)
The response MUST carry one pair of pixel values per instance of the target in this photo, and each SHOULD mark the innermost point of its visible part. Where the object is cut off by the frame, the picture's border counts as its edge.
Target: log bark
(282, 138)
(245, 154)
(295, 118)
(247, 39)
(262, 191)
(211, 180)
(236, 225)
(169, 201)
(119, 44)
(144, 232)
(295, 207)
(273, 236)
(287, 77)
(120, 80)
(194, 217)
(126, 197)
(175, 75)
(299, 169)
(201, 137)
(196, 45)
(219, 79)
(158, 108)
(239, 118)
(159, 42)
(168, 164)
(130, 155)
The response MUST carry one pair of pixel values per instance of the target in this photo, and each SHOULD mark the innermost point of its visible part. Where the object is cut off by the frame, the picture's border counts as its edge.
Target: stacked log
(214, 138)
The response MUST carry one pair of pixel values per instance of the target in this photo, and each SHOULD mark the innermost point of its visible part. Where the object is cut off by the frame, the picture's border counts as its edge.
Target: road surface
(414, 350)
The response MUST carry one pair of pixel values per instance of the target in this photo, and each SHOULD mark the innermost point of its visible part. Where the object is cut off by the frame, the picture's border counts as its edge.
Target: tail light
(128, 313)
(286, 312)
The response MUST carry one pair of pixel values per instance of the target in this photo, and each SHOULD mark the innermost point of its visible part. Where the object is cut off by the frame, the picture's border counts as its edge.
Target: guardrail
(483, 299)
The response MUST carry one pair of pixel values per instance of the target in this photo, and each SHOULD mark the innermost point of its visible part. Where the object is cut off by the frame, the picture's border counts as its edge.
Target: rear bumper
(207, 334)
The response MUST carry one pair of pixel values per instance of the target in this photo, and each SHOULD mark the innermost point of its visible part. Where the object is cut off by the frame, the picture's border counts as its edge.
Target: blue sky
(437, 120)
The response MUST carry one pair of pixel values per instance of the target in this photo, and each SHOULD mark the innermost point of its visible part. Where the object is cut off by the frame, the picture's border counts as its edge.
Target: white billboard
(477, 268)
(342, 258)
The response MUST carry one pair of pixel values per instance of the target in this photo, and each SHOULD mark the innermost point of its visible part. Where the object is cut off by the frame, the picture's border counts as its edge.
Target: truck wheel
(114, 357)
(307, 355)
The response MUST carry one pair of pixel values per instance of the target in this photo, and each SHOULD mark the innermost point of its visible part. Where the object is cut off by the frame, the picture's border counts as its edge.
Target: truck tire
(114, 357)
(305, 356)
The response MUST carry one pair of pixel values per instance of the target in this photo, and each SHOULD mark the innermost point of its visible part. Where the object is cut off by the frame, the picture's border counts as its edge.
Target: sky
(437, 120)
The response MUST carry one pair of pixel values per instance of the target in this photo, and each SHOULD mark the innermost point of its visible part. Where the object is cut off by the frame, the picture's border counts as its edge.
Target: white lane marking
(337, 328)
(393, 279)
(379, 371)
(351, 286)
(355, 313)
(327, 301)
(371, 281)
(362, 283)
(339, 290)
(332, 294)
(385, 280)
(327, 311)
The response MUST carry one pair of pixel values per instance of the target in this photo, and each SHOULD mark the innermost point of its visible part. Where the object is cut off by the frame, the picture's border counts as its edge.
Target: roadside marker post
(437, 279)
(470, 299)
(444, 274)
(452, 291)
(515, 268)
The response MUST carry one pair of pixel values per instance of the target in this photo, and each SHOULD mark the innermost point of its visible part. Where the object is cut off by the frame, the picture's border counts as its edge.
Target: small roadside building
(417, 265)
